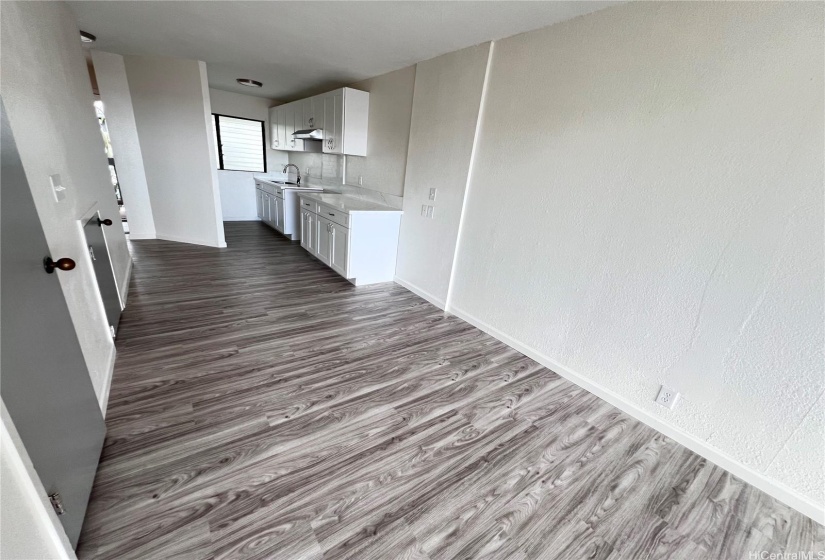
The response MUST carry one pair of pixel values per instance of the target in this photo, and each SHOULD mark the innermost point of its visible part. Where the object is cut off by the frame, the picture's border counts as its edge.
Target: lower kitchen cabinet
(357, 240)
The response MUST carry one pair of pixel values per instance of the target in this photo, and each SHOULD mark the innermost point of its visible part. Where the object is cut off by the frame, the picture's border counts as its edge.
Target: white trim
(249, 218)
(124, 289)
(482, 102)
(103, 398)
(772, 487)
(32, 487)
(438, 302)
(191, 240)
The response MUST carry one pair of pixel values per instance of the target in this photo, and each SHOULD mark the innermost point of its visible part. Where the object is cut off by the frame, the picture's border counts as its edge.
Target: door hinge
(112, 330)
(57, 503)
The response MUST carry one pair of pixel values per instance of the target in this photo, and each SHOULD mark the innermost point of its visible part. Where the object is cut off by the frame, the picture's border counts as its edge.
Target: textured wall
(48, 97)
(444, 120)
(646, 207)
(113, 86)
(170, 99)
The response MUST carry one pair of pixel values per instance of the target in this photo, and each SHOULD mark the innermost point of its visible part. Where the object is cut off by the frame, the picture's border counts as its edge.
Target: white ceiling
(301, 48)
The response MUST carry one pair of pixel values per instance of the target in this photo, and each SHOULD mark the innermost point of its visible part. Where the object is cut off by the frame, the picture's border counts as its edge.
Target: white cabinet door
(312, 232)
(324, 246)
(333, 122)
(339, 248)
(259, 203)
(315, 106)
(306, 230)
(279, 213)
(289, 125)
(274, 139)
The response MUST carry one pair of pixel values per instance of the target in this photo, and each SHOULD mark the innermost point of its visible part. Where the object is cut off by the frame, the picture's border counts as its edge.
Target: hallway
(263, 407)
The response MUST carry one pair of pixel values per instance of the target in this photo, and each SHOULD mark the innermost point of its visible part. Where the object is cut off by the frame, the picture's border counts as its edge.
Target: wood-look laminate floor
(263, 407)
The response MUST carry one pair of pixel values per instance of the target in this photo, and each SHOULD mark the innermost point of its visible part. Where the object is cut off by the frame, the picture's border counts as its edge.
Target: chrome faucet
(298, 171)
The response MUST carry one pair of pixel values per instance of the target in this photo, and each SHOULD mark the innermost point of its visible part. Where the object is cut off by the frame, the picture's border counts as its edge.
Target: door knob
(63, 264)
(106, 222)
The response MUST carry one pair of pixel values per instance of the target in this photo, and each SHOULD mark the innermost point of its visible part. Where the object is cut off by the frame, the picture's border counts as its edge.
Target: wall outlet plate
(432, 194)
(667, 397)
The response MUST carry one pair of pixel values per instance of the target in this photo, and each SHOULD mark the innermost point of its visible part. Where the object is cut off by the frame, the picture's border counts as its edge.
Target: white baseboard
(241, 219)
(124, 288)
(791, 497)
(438, 302)
(138, 236)
(190, 240)
(103, 398)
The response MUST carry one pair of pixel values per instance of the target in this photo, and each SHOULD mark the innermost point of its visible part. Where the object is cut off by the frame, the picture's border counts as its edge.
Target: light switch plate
(424, 210)
(57, 187)
(432, 194)
(430, 211)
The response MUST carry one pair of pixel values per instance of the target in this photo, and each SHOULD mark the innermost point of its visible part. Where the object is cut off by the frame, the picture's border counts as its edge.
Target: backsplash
(327, 171)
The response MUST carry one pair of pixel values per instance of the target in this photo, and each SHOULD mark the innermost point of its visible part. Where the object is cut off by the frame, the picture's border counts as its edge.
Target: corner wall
(171, 105)
(645, 207)
(113, 86)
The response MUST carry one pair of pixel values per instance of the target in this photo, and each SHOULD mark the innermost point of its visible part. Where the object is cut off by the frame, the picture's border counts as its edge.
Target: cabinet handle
(330, 213)
(277, 143)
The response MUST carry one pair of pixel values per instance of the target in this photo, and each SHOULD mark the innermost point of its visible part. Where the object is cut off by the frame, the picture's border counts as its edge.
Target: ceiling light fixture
(249, 83)
(87, 37)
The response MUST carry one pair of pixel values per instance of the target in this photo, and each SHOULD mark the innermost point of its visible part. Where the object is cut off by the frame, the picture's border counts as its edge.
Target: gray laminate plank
(263, 407)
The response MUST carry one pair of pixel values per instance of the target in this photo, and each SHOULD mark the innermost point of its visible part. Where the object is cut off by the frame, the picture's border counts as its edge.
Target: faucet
(297, 170)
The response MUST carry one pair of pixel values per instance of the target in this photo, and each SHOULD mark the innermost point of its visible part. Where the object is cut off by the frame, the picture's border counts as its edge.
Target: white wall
(646, 207)
(113, 86)
(388, 133)
(46, 90)
(238, 187)
(442, 134)
(382, 170)
(29, 528)
(171, 105)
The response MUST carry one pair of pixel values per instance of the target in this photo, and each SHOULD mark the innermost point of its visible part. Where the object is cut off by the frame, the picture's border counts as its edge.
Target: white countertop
(349, 204)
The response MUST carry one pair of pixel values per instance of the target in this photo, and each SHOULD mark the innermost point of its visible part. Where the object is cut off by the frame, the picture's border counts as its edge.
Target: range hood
(309, 134)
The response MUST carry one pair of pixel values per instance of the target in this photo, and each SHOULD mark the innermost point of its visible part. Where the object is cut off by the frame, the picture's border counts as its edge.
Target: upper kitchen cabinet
(342, 115)
(284, 120)
(346, 116)
(276, 129)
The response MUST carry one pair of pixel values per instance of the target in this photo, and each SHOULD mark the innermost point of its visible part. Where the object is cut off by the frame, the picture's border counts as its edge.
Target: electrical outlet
(424, 210)
(430, 211)
(667, 397)
(432, 194)
(306, 172)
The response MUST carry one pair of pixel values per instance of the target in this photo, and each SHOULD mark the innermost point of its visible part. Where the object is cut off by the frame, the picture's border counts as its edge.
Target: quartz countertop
(349, 204)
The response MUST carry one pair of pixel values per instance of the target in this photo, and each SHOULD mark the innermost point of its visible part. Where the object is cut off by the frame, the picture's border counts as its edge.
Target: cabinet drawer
(309, 205)
(333, 215)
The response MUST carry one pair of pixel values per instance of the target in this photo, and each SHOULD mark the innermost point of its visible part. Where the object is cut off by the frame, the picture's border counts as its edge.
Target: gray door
(44, 382)
(105, 275)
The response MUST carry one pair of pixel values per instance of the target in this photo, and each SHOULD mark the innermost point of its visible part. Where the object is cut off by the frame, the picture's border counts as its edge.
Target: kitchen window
(240, 143)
